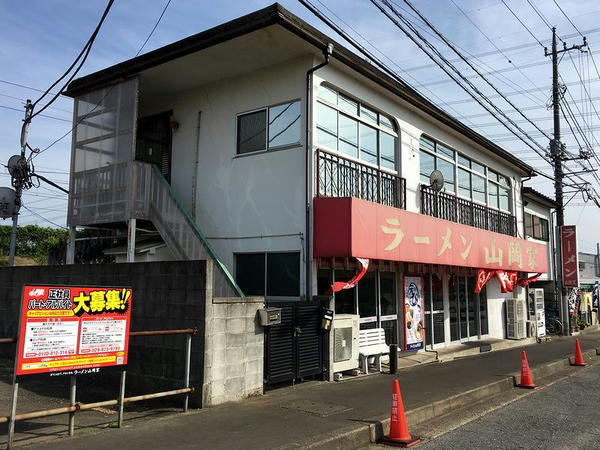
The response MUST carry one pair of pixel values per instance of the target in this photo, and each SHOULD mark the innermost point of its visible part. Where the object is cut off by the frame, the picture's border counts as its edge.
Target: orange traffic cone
(578, 355)
(399, 435)
(526, 380)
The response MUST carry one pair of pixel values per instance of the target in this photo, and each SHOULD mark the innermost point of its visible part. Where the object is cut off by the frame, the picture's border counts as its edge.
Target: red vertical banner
(568, 247)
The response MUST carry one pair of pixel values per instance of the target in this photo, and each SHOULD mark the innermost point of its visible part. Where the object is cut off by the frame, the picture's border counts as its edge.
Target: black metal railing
(338, 176)
(456, 209)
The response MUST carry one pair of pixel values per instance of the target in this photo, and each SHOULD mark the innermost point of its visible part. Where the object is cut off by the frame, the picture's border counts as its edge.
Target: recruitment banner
(414, 338)
(66, 330)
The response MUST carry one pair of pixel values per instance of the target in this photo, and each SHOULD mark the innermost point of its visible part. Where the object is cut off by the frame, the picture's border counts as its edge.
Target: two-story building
(265, 145)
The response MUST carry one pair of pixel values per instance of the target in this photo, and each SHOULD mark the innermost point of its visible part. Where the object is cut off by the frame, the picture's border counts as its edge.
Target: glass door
(434, 309)
(462, 308)
(367, 300)
(468, 315)
(388, 312)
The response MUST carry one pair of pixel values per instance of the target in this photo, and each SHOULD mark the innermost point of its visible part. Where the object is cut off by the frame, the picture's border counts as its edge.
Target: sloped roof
(275, 14)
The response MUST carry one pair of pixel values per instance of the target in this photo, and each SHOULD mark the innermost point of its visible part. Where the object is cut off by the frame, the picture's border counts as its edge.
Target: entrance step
(455, 351)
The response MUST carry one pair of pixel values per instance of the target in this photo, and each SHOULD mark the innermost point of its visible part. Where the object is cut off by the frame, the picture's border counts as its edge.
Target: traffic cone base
(578, 361)
(526, 380)
(414, 440)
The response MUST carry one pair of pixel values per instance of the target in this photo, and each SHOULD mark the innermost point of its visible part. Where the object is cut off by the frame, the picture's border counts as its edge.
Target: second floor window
(356, 130)
(269, 128)
(536, 227)
(463, 176)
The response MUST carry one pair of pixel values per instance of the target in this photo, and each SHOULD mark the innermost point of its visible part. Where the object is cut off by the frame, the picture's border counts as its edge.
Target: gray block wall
(233, 349)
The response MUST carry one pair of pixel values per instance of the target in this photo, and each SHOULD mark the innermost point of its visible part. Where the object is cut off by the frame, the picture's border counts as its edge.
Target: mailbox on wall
(269, 316)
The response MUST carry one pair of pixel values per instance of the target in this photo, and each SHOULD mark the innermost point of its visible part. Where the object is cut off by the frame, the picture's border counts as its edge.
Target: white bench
(372, 343)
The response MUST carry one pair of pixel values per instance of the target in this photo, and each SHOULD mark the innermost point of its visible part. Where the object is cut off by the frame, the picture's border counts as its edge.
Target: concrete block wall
(233, 349)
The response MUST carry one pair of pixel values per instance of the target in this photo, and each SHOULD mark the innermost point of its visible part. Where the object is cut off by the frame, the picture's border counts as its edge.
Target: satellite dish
(7, 203)
(436, 180)
(13, 163)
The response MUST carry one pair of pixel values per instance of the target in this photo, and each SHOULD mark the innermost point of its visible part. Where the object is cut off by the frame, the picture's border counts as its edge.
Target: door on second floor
(153, 143)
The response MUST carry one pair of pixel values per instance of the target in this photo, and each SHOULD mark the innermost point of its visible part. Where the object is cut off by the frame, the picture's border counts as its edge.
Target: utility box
(269, 316)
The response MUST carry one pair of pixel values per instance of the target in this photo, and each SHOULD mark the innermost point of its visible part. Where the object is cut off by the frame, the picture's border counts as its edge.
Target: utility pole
(18, 180)
(558, 155)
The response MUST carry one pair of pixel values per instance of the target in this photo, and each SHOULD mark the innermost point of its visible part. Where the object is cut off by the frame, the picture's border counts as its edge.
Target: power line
(521, 22)
(81, 58)
(43, 218)
(109, 90)
(41, 115)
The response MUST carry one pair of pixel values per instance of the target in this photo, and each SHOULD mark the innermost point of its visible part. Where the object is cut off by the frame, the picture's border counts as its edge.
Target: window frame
(265, 255)
(267, 109)
(543, 224)
(395, 134)
(486, 175)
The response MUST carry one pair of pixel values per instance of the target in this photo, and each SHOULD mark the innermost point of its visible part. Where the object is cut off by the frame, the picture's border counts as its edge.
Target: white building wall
(243, 203)
(413, 124)
(544, 212)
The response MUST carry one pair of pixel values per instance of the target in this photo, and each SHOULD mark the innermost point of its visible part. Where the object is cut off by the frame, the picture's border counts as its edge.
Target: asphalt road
(565, 415)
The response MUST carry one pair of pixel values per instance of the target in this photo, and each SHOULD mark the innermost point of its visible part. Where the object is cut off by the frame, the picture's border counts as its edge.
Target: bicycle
(553, 326)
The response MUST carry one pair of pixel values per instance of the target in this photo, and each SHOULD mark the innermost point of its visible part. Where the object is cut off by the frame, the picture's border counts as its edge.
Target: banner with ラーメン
(413, 313)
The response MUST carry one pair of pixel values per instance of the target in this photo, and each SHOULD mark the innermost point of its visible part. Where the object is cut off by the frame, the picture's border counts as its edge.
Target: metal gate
(294, 348)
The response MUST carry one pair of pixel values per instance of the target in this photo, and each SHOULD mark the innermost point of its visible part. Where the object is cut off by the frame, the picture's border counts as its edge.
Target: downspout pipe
(308, 142)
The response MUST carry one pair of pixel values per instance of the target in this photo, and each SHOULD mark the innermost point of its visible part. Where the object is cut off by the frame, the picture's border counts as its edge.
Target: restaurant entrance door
(468, 311)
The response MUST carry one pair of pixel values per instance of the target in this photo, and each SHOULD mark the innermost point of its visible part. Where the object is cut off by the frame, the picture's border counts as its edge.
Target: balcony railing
(456, 209)
(342, 177)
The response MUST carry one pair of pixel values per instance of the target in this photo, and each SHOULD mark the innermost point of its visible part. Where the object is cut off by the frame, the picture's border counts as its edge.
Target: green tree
(33, 241)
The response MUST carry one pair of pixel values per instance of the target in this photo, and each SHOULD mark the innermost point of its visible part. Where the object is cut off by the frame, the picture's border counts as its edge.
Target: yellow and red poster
(67, 330)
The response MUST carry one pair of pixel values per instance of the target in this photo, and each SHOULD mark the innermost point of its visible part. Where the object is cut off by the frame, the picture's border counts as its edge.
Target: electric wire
(81, 58)
(82, 118)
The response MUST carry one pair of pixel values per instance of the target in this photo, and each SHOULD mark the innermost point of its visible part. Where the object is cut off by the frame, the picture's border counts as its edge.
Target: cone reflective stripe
(526, 380)
(399, 435)
(578, 355)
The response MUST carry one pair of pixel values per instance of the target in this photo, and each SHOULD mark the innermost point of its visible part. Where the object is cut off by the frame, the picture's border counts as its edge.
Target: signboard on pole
(66, 330)
(414, 338)
(568, 251)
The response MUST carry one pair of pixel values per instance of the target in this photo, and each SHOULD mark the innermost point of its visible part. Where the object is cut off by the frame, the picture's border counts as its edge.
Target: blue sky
(39, 39)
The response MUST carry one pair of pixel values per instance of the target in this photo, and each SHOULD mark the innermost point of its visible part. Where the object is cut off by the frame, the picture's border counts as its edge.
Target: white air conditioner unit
(345, 342)
(515, 319)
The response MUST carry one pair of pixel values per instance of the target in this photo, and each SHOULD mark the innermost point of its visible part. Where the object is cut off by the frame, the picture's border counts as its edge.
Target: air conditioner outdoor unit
(345, 342)
(515, 319)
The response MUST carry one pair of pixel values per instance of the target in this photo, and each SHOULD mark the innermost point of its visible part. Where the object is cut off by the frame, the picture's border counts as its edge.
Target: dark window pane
(367, 296)
(368, 144)
(387, 290)
(528, 225)
(477, 167)
(283, 274)
(537, 227)
(388, 151)
(348, 105)
(483, 311)
(447, 169)
(387, 123)
(323, 281)
(284, 124)
(328, 94)
(368, 114)
(504, 199)
(493, 194)
(344, 299)
(427, 144)
(250, 273)
(348, 136)
(445, 151)
(464, 183)
(464, 161)
(391, 331)
(427, 166)
(545, 229)
(437, 291)
(478, 188)
(252, 132)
